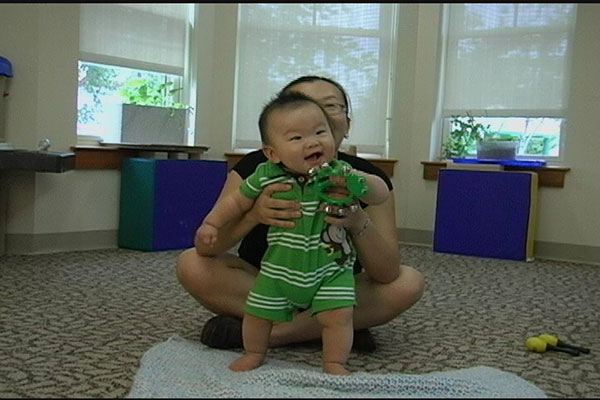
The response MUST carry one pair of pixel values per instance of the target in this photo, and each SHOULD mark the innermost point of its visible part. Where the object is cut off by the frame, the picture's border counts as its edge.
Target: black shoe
(364, 341)
(222, 332)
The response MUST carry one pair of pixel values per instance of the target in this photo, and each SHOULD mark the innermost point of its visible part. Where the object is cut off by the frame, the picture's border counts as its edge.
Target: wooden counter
(553, 176)
(109, 155)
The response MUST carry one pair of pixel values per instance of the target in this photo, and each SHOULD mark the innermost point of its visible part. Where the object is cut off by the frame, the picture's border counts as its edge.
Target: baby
(310, 265)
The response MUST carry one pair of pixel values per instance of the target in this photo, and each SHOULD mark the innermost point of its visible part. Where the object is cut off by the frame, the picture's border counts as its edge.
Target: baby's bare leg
(337, 338)
(255, 332)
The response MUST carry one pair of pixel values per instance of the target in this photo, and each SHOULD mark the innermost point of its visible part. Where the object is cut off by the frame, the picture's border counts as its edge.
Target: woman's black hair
(312, 78)
(282, 100)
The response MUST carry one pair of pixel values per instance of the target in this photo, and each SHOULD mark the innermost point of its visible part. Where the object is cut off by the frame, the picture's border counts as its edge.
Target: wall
(45, 211)
(79, 209)
(215, 38)
(414, 105)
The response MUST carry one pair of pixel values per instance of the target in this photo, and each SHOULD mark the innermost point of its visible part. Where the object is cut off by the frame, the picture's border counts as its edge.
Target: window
(507, 65)
(130, 53)
(350, 43)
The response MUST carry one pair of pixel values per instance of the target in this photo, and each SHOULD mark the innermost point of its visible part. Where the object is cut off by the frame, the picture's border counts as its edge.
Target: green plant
(497, 137)
(465, 135)
(144, 92)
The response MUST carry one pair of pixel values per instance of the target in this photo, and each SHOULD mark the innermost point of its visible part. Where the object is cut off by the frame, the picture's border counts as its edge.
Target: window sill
(386, 164)
(551, 176)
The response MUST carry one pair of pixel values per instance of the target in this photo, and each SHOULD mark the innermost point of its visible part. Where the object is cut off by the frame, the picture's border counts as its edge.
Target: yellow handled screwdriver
(554, 341)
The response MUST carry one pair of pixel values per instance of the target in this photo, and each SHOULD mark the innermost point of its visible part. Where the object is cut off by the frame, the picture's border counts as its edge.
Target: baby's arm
(225, 209)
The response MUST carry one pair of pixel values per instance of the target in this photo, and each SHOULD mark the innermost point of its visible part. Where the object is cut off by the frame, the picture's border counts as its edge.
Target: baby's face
(300, 138)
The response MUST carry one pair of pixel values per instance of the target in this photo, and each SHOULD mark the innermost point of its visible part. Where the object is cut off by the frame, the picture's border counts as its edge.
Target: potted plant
(467, 134)
(150, 113)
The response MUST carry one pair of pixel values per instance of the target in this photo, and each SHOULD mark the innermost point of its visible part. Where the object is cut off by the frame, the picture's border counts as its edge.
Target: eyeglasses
(335, 108)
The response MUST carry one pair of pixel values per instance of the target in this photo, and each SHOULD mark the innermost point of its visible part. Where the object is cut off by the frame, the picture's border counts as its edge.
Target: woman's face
(332, 100)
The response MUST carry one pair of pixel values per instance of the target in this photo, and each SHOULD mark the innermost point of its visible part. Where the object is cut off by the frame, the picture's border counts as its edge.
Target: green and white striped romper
(305, 267)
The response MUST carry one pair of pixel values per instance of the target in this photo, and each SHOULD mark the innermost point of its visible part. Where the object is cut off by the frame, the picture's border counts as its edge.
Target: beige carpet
(77, 324)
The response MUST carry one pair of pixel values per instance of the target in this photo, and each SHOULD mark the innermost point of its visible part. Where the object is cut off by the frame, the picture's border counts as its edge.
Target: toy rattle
(554, 341)
(539, 346)
(356, 184)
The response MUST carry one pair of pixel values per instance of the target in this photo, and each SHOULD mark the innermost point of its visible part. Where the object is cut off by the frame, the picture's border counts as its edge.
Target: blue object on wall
(486, 213)
(164, 201)
(5, 67)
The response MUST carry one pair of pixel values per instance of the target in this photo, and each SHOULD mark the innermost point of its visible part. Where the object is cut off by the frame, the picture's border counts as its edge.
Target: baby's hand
(208, 234)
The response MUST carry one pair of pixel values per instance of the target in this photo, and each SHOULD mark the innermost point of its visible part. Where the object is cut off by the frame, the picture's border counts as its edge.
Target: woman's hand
(275, 212)
(373, 232)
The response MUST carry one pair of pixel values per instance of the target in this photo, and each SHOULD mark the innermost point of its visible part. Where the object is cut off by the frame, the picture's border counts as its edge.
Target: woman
(220, 281)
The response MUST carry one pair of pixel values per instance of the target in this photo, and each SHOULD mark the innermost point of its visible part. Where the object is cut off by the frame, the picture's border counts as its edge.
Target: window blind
(508, 59)
(143, 36)
(350, 43)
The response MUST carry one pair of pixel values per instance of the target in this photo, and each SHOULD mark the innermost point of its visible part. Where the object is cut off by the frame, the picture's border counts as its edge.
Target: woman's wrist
(362, 229)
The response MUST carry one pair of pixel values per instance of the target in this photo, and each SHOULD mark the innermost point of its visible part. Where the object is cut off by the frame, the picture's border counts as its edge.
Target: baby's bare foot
(335, 368)
(247, 362)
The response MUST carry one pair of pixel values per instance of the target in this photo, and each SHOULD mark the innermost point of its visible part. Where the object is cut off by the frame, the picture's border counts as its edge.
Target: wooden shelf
(552, 176)
(386, 164)
(99, 157)
(38, 161)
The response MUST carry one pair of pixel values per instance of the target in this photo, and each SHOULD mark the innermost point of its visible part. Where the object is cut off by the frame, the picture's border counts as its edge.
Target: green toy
(356, 184)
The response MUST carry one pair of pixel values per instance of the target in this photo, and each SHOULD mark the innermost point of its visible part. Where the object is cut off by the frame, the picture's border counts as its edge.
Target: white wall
(573, 215)
(414, 100)
(41, 40)
(42, 43)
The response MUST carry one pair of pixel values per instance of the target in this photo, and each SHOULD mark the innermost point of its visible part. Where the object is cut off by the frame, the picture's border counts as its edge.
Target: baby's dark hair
(288, 100)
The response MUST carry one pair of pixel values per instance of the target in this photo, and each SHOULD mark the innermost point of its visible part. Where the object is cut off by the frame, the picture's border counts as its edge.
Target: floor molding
(542, 250)
(20, 243)
(107, 239)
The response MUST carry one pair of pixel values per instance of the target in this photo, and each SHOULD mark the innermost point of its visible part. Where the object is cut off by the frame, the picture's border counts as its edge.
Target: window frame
(185, 73)
(441, 127)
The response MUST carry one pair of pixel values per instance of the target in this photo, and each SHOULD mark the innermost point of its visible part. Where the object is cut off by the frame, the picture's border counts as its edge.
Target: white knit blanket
(179, 368)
